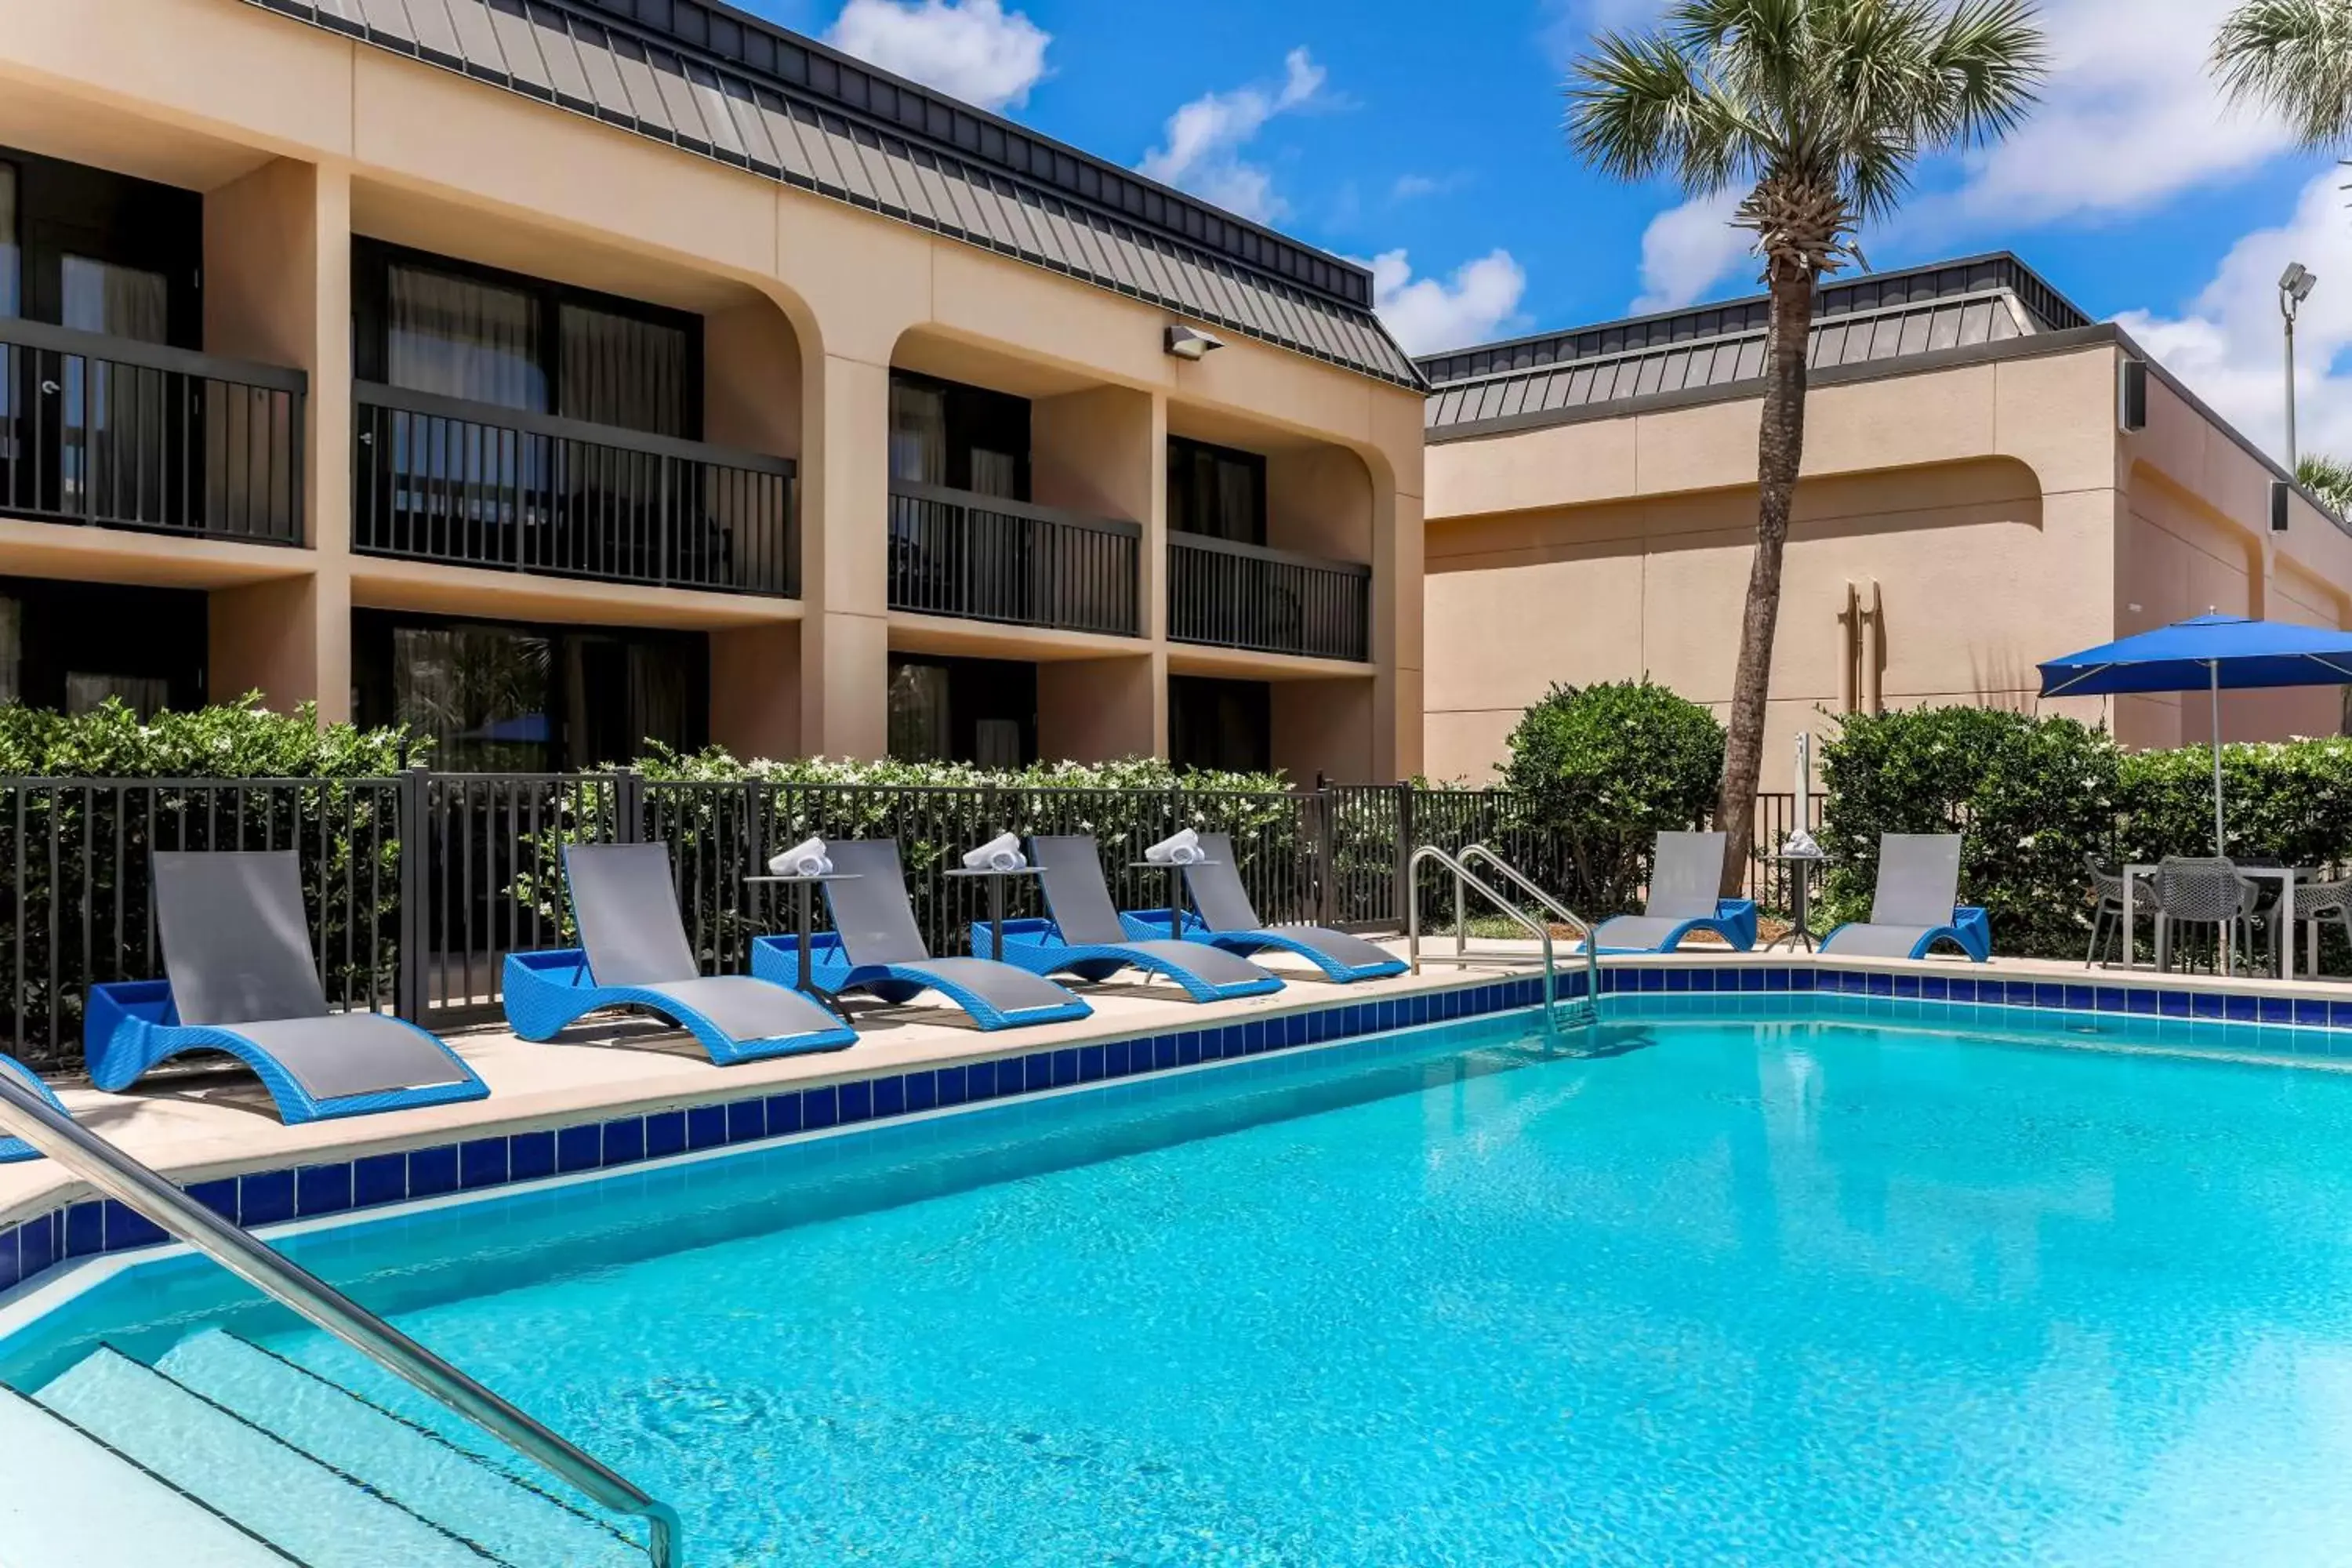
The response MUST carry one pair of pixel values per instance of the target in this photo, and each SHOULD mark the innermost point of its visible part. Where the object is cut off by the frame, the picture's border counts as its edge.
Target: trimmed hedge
(2035, 795)
(239, 739)
(1602, 770)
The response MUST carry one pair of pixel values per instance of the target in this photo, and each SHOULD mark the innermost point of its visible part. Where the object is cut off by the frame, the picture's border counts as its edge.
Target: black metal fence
(112, 433)
(982, 558)
(75, 906)
(436, 479)
(1239, 595)
(419, 886)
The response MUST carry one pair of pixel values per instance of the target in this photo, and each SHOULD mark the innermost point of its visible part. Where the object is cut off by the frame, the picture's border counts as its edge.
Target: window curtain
(120, 301)
(145, 695)
(617, 370)
(460, 338)
(919, 433)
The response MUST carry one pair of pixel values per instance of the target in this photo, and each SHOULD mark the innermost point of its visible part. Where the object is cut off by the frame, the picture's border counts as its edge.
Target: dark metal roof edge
(690, 30)
(1408, 375)
(2033, 345)
(2025, 347)
(1619, 323)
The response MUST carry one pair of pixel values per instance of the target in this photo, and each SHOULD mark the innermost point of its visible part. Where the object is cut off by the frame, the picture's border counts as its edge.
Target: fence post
(1405, 846)
(1327, 835)
(628, 806)
(415, 810)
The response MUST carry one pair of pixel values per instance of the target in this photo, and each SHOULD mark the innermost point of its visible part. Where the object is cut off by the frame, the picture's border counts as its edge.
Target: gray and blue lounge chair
(875, 947)
(240, 978)
(1221, 916)
(1685, 874)
(1913, 909)
(13, 1149)
(1083, 935)
(634, 953)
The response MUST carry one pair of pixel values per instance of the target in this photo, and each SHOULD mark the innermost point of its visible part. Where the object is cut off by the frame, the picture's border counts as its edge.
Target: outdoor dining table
(2283, 876)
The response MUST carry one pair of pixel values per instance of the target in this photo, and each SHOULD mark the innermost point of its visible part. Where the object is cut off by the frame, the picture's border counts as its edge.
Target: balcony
(1268, 601)
(472, 484)
(983, 558)
(109, 431)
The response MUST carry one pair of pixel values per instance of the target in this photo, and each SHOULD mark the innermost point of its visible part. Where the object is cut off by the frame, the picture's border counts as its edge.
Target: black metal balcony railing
(983, 558)
(1270, 601)
(437, 479)
(112, 433)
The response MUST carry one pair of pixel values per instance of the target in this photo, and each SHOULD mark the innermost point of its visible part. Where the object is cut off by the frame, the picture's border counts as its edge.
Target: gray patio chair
(2202, 890)
(1913, 909)
(2108, 930)
(2317, 901)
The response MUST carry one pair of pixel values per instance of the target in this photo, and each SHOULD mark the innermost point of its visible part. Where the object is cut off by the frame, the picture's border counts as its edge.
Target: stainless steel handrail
(1526, 885)
(132, 1184)
(1464, 877)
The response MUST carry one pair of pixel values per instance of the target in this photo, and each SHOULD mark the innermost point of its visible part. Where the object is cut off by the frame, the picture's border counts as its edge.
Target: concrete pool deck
(200, 1128)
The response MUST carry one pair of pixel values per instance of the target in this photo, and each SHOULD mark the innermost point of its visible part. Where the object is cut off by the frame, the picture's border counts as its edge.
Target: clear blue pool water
(1715, 1292)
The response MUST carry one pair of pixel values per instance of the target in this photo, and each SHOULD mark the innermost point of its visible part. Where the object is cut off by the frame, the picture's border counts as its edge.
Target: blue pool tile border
(33, 1247)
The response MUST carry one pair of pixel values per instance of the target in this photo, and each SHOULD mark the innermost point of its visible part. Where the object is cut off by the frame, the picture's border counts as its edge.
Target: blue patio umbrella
(2212, 652)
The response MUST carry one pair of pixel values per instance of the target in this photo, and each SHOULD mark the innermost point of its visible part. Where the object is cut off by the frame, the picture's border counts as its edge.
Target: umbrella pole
(2214, 668)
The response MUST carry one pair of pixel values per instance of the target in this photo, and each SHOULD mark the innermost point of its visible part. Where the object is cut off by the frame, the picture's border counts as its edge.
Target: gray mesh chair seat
(240, 978)
(1913, 908)
(1086, 937)
(1226, 919)
(633, 954)
(1685, 876)
(2202, 890)
(876, 948)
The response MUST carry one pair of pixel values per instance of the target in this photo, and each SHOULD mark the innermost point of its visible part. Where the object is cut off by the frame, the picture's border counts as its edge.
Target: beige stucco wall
(1981, 518)
(808, 302)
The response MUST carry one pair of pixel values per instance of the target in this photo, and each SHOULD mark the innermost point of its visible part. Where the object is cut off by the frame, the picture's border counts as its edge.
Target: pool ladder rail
(114, 1174)
(1585, 1009)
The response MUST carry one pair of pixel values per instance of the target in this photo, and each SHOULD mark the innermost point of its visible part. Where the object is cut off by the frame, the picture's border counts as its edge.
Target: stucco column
(1102, 452)
(844, 541)
(1397, 611)
(751, 399)
(278, 288)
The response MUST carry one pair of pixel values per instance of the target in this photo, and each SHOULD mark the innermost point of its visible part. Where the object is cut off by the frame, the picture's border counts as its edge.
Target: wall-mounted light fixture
(1190, 342)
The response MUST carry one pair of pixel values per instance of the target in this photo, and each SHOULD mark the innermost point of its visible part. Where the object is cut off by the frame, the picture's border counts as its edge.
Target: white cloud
(974, 49)
(1200, 148)
(1686, 249)
(1429, 315)
(2130, 116)
(2226, 345)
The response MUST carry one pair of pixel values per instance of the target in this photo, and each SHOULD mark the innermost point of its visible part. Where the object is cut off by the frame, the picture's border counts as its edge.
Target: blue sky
(1428, 140)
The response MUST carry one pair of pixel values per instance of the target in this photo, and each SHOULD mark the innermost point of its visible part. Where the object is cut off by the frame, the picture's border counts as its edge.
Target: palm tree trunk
(1779, 448)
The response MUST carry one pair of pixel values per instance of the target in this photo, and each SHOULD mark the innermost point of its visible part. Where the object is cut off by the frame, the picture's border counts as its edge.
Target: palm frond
(2294, 58)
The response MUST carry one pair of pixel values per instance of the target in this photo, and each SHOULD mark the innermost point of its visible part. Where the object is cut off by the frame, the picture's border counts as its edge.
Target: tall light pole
(2294, 287)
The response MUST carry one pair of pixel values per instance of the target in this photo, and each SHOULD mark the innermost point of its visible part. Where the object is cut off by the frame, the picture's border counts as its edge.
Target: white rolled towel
(1182, 849)
(1002, 853)
(1800, 845)
(808, 859)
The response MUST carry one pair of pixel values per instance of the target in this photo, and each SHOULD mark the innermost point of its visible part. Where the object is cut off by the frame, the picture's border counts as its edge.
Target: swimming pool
(1821, 1289)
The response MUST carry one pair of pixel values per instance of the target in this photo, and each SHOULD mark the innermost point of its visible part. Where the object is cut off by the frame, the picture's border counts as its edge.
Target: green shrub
(2292, 799)
(2034, 795)
(238, 740)
(1603, 769)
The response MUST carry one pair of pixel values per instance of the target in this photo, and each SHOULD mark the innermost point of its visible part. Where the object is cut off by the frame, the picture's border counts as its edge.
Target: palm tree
(2294, 57)
(1820, 107)
(2327, 479)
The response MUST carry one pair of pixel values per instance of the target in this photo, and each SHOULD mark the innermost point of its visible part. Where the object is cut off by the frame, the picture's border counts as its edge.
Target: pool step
(316, 1515)
(402, 1460)
(67, 1500)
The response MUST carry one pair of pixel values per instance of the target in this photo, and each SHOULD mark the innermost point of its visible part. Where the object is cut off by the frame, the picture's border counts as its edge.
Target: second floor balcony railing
(982, 558)
(1269, 601)
(111, 432)
(437, 479)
